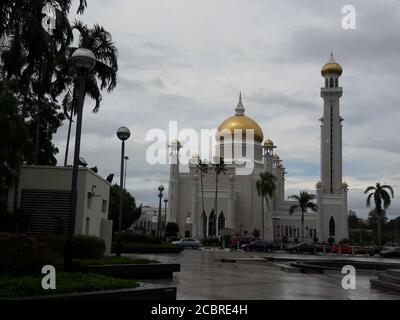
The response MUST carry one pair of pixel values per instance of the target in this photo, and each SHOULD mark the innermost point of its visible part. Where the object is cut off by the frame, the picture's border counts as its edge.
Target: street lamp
(126, 169)
(123, 134)
(165, 213)
(83, 61)
(160, 195)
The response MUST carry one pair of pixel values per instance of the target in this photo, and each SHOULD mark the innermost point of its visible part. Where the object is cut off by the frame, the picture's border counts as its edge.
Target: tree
(219, 168)
(99, 41)
(266, 187)
(256, 233)
(304, 203)
(171, 229)
(381, 195)
(203, 168)
(130, 212)
(353, 220)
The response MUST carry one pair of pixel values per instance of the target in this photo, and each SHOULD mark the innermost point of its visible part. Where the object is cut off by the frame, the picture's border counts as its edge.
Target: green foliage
(256, 233)
(87, 247)
(66, 282)
(112, 260)
(21, 254)
(315, 239)
(285, 239)
(132, 237)
(130, 213)
(331, 240)
(171, 229)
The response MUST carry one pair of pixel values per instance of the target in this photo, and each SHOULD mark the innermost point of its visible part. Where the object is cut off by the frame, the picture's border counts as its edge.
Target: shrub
(296, 240)
(171, 229)
(285, 239)
(344, 241)
(21, 254)
(315, 240)
(54, 242)
(87, 247)
(131, 237)
(331, 240)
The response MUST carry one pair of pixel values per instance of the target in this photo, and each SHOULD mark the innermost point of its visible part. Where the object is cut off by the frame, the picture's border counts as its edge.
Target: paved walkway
(203, 277)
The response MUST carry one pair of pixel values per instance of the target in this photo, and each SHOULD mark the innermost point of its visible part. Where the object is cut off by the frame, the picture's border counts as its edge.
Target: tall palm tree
(266, 187)
(381, 194)
(304, 203)
(99, 41)
(219, 168)
(203, 168)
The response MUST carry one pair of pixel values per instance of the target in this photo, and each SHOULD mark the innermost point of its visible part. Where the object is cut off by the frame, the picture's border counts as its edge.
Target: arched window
(212, 224)
(332, 226)
(331, 82)
(221, 221)
(204, 224)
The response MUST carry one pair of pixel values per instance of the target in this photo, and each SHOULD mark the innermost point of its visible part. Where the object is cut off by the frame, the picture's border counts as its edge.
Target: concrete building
(44, 197)
(147, 222)
(239, 207)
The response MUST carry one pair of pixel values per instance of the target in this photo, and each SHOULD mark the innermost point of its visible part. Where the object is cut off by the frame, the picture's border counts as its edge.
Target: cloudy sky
(187, 60)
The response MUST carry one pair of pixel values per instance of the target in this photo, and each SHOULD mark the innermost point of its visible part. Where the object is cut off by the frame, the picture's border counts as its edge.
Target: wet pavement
(202, 276)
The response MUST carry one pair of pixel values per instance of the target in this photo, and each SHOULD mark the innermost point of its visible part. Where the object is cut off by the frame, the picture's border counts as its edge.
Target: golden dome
(275, 157)
(241, 122)
(176, 142)
(268, 143)
(331, 67)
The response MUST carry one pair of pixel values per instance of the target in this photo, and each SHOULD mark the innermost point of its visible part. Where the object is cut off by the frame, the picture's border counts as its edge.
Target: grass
(114, 260)
(21, 286)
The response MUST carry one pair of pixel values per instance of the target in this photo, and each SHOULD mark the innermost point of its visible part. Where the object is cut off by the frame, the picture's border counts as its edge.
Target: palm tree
(203, 168)
(380, 194)
(218, 168)
(266, 187)
(304, 203)
(99, 41)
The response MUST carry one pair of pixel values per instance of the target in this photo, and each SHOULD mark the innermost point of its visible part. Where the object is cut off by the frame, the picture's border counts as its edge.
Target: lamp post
(165, 214)
(160, 195)
(83, 60)
(123, 134)
(126, 169)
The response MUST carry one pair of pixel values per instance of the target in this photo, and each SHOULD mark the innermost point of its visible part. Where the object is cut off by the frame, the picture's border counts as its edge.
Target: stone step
(393, 272)
(376, 283)
(389, 278)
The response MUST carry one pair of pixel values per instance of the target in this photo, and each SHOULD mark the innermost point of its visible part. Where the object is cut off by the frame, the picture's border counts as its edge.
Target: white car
(188, 243)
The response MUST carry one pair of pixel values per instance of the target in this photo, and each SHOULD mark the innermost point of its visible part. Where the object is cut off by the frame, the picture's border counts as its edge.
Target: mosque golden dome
(268, 143)
(241, 122)
(331, 67)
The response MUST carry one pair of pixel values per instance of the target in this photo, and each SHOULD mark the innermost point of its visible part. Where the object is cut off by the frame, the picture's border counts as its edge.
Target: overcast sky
(187, 60)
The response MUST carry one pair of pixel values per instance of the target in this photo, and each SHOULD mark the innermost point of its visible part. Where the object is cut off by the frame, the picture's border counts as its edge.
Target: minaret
(331, 192)
(331, 130)
(173, 187)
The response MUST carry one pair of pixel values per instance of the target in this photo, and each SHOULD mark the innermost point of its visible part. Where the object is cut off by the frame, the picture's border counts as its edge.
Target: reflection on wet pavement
(202, 277)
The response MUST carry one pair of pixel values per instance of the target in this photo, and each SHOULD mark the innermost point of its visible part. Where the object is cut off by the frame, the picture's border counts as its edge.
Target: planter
(136, 271)
(115, 294)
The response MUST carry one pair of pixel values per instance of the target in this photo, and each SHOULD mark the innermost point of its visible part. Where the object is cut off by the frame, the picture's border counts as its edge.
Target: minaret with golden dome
(332, 213)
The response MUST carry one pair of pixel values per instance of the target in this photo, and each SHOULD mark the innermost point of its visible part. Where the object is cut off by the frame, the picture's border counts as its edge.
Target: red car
(344, 248)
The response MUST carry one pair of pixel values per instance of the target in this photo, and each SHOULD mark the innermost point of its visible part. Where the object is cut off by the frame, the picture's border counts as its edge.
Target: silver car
(188, 243)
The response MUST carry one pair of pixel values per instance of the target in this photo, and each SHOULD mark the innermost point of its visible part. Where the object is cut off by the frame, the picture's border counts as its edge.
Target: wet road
(202, 277)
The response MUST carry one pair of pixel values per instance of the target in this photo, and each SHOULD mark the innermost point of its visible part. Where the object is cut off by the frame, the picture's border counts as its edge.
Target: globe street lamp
(83, 61)
(160, 195)
(165, 213)
(123, 134)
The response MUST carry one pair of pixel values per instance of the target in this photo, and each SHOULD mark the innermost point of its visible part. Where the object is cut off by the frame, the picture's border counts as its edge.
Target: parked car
(390, 253)
(258, 245)
(304, 247)
(188, 243)
(342, 249)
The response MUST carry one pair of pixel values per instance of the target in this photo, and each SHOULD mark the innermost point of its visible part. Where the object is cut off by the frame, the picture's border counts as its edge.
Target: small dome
(331, 67)
(268, 143)
(275, 157)
(176, 143)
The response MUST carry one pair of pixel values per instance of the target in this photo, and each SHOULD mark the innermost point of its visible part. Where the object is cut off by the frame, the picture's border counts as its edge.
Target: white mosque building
(239, 205)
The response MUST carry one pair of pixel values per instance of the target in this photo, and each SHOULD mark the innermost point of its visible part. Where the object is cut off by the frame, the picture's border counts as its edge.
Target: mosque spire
(240, 108)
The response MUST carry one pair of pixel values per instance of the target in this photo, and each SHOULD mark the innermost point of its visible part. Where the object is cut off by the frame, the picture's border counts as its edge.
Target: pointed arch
(332, 226)
(221, 221)
(212, 224)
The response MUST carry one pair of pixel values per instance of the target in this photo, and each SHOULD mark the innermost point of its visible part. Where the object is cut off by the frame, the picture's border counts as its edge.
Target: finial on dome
(240, 108)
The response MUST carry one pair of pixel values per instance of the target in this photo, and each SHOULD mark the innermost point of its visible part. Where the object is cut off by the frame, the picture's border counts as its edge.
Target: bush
(131, 237)
(56, 243)
(344, 241)
(171, 229)
(315, 239)
(296, 240)
(285, 239)
(21, 254)
(331, 240)
(87, 247)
